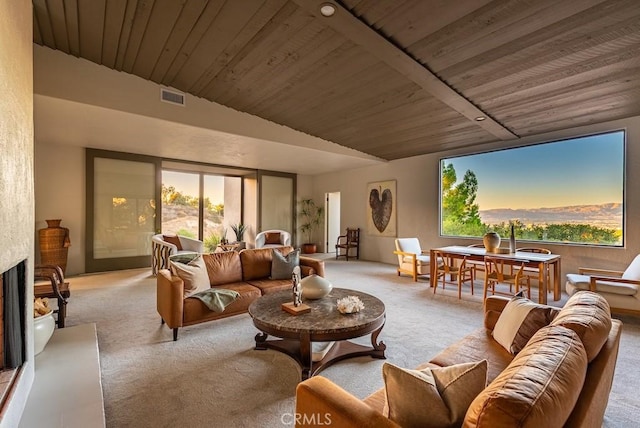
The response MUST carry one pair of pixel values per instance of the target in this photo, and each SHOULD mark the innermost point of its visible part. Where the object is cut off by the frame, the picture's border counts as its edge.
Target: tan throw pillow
(173, 239)
(272, 238)
(433, 397)
(519, 321)
(193, 274)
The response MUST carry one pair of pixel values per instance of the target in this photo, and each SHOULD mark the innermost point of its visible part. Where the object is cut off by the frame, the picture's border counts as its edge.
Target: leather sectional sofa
(246, 272)
(561, 378)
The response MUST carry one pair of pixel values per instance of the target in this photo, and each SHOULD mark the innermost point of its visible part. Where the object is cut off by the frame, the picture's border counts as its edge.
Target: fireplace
(12, 327)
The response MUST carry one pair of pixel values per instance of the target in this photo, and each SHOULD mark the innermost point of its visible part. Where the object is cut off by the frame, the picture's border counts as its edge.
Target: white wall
(16, 171)
(418, 193)
(60, 193)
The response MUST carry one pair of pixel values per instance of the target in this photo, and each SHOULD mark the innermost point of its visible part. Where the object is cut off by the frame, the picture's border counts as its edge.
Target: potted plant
(239, 230)
(310, 216)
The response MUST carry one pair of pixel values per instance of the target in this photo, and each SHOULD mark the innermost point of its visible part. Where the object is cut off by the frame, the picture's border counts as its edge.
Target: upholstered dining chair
(496, 273)
(412, 260)
(619, 288)
(461, 272)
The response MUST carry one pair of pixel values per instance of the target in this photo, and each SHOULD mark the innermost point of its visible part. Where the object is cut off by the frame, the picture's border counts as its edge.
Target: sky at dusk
(580, 171)
(188, 184)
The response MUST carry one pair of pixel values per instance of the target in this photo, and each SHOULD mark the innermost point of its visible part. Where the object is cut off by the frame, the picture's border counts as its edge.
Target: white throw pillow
(519, 321)
(193, 274)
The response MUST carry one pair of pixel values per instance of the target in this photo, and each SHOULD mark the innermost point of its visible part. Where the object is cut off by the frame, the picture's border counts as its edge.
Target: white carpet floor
(212, 376)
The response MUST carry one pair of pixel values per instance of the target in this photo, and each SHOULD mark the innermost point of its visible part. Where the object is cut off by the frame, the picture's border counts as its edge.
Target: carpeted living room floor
(212, 376)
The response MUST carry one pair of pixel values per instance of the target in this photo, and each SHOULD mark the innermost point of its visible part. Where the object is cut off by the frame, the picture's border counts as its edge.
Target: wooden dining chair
(496, 273)
(49, 282)
(532, 272)
(447, 266)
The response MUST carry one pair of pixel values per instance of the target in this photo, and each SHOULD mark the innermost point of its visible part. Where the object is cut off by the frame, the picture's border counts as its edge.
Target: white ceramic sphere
(315, 287)
(43, 327)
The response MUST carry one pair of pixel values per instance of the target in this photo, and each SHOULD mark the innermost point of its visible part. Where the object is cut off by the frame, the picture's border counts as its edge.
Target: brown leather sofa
(556, 380)
(246, 272)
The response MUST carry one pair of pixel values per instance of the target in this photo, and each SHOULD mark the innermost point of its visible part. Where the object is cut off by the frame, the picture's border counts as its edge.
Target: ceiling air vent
(173, 97)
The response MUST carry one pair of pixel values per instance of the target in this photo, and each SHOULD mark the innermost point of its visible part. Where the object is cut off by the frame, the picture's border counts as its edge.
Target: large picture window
(568, 191)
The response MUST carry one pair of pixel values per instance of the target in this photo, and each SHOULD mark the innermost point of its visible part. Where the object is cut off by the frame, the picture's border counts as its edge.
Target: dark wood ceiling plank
(192, 11)
(58, 24)
(363, 35)
(414, 112)
(266, 86)
(408, 25)
(91, 29)
(368, 89)
(575, 118)
(186, 56)
(141, 18)
(342, 63)
(260, 38)
(162, 20)
(207, 44)
(373, 11)
(44, 24)
(566, 90)
(113, 22)
(494, 28)
(277, 49)
(125, 32)
(563, 76)
(581, 32)
(605, 94)
(71, 22)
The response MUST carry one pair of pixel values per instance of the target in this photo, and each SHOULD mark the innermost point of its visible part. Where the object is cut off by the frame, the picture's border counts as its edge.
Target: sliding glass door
(121, 210)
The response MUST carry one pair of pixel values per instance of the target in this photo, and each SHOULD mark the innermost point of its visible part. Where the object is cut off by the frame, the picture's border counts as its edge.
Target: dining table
(544, 263)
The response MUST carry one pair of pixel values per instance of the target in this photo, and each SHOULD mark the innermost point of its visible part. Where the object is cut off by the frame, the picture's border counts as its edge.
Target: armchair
(411, 259)
(345, 242)
(273, 238)
(164, 246)
(620, 289)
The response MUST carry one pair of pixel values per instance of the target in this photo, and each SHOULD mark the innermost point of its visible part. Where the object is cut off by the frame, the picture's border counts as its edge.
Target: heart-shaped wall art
(381, 208)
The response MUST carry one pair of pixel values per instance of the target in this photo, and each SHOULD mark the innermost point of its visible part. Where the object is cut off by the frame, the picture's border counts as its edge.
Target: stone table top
(324, 316)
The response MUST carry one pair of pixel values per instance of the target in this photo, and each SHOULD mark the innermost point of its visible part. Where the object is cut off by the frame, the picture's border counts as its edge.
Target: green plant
(211, 242)
(239, 230)
(186, 232)
(310, 216)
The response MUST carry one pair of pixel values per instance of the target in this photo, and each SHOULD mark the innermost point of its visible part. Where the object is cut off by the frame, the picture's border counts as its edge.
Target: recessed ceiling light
(327, 9)
(480, 118)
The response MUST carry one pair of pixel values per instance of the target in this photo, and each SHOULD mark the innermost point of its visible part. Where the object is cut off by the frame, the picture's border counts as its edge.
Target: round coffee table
(322, 324)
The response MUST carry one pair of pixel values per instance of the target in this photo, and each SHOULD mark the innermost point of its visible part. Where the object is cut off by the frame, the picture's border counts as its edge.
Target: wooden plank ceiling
(392, 78)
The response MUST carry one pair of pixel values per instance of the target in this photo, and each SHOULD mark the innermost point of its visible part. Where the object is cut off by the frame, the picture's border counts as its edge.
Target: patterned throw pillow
(272, 238)
(282, 266)
(519, 321)
(433, 397)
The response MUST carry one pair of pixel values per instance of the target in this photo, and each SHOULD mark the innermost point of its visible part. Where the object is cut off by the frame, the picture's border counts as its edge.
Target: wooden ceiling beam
(363, 35)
